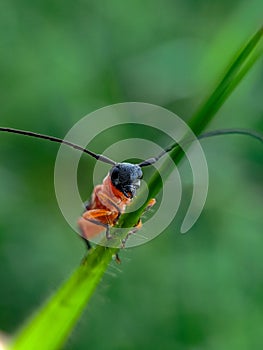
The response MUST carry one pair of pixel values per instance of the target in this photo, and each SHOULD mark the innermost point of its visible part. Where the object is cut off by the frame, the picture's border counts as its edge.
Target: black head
(126, 178)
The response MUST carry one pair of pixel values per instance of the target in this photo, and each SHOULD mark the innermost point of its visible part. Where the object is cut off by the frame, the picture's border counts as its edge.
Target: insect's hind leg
(87, 243)
(82, 234)
(85, 240)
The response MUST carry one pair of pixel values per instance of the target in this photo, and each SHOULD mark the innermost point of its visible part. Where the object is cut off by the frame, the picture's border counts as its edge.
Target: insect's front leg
(139, 223)
(148, 207)
(107, 201)
(94, 221)
(150, 204)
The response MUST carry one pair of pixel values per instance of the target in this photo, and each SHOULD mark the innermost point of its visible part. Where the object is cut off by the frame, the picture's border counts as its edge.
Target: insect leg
(139, 223)
(106, 226)
(86, 241)
(106, 200)
(131, 232)
(150, 204)
(117, 258)
(100, 217)
(87, 205)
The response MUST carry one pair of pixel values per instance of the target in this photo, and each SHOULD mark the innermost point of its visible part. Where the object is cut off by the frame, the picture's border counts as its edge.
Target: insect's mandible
(110, 199)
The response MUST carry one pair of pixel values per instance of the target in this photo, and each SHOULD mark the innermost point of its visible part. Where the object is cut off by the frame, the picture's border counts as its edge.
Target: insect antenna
(250, 133)
(58, 140)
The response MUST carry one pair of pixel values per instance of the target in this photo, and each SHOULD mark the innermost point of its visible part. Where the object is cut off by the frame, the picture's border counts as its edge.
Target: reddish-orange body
(107, 203)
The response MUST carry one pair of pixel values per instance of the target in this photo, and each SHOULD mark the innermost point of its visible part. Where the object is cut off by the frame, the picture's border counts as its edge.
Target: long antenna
(250, 133)
(146, 162)
(55, 139)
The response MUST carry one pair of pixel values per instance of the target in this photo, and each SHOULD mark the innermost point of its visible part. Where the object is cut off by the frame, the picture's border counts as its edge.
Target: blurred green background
(61, 60)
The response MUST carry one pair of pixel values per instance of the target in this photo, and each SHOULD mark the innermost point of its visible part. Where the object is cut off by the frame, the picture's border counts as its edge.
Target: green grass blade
(243, 61)
(53, 323)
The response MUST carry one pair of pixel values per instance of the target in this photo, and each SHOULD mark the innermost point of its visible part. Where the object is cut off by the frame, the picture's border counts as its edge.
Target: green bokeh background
(61, 60)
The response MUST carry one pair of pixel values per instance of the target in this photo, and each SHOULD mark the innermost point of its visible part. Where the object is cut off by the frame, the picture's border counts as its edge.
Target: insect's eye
(115, 174)
(139, 174)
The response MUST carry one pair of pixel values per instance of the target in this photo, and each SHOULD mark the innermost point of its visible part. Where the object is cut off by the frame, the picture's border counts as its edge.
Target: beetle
(110, 199)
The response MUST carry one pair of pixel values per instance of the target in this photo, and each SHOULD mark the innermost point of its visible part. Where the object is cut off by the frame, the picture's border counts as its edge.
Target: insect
(110, 199)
